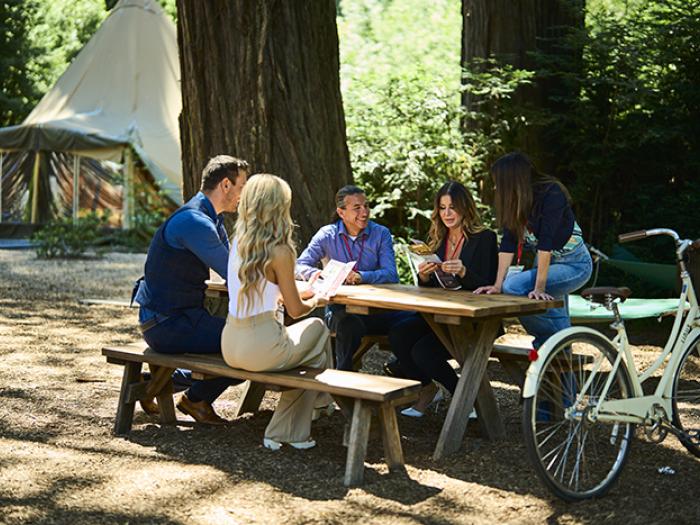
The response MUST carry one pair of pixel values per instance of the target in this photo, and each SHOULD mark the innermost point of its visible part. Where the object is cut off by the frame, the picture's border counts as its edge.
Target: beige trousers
(260, 343)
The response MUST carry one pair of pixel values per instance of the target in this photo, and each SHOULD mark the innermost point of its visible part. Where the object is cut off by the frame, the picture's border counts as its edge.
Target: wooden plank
(447, 319)
(166, 404)
(125, 409)
(250, 399)
(160, 377)
(487, 409)
(468, 386)
(350, 384)
(357, 446)
(436, 301)
(357, 309)
(391, 437)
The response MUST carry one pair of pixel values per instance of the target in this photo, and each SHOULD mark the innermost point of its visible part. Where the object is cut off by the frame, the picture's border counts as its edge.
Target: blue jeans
(351, 328)
(567, 273)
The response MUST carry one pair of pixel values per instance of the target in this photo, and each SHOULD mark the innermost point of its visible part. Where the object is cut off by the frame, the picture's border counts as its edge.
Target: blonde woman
(260, 275)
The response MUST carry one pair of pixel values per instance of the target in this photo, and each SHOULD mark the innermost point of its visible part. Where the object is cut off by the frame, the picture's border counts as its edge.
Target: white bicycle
(583, 396)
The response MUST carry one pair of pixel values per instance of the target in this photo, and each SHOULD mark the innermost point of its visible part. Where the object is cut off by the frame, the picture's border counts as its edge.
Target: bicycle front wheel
(686, 397)
(574, 455)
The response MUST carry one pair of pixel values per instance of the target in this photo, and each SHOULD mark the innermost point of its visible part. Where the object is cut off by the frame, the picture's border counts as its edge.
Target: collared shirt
(372, 249)
(201, 233)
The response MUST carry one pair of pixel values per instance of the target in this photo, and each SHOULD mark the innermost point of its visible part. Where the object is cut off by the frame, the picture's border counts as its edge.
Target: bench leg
(125, 408)
(251, 398)
(515, 370)
(166, 405)
(391, 437)
(357, 448)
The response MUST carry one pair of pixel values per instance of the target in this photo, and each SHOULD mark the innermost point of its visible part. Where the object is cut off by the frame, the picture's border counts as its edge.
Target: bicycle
(583, 396)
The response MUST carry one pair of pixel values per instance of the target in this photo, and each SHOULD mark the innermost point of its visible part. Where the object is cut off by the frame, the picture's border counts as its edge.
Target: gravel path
(59, 462)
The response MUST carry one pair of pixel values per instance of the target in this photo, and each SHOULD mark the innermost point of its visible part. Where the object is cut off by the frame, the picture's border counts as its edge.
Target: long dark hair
(515, 177)
(464, 205)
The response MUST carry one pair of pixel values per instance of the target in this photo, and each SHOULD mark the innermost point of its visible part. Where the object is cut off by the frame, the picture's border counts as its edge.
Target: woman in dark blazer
(469, 252)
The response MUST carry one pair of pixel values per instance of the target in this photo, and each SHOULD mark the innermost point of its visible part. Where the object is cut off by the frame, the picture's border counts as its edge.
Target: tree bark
(260, 81)
(510, 31)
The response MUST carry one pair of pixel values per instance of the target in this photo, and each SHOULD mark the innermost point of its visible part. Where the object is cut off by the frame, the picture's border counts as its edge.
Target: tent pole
(76, 187)
(2, 158)
(35, 187)
(128, 188)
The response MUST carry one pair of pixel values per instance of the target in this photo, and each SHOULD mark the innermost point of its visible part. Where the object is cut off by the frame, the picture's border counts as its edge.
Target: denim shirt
(372, 249)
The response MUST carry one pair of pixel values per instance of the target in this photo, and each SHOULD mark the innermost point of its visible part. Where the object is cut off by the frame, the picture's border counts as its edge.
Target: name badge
(515, 268)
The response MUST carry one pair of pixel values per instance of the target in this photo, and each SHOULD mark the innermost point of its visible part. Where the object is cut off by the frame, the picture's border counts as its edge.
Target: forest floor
(61, 464)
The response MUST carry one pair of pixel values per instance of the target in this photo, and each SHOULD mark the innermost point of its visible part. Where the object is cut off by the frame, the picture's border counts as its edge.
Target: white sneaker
(411, 412)
(299, 445)
(472, 414)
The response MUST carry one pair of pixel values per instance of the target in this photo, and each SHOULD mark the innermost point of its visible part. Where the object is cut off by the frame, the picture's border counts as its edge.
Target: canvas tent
(121, 93)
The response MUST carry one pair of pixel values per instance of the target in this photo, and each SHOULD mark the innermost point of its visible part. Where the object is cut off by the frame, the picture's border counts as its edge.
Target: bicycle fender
(692, 337)
(533, 370)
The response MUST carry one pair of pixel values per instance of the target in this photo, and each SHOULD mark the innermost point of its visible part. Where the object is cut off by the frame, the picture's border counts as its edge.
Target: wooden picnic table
(467, 324)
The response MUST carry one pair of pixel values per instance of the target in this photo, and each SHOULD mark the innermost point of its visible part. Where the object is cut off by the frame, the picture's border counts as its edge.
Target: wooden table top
(460, 303)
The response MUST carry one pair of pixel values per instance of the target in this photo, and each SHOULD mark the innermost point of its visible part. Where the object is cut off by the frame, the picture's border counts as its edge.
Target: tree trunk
(260, 81)
(511, 30)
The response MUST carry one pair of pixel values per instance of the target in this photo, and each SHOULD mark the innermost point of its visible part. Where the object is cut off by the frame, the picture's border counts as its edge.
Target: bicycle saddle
(602, 294)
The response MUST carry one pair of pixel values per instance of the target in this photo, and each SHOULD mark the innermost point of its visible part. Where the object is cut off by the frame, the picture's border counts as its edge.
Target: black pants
(351, 328)
(420, 353)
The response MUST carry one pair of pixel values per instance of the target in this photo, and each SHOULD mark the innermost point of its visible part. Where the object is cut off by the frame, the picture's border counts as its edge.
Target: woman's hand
(540, 295)
(488, 289)
(304, 287)
(425, 269)
(455, 267)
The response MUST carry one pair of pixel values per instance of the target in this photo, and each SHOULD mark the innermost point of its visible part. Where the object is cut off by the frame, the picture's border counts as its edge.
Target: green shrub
(61, 239)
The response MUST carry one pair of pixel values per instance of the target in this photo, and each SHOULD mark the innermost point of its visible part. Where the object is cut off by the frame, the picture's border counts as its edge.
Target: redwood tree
(260, 80)
(513, 31)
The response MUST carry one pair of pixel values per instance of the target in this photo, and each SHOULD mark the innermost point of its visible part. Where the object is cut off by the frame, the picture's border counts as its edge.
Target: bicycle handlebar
(632, 236)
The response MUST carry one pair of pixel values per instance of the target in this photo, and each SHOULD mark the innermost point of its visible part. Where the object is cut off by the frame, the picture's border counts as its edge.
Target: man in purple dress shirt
(353, 237)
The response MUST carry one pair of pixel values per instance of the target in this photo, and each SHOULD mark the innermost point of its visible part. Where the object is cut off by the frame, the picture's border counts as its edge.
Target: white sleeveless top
(270, 297)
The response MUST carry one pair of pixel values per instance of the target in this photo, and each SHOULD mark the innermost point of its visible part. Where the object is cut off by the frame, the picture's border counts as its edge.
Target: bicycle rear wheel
(575, 457)
(686, 397)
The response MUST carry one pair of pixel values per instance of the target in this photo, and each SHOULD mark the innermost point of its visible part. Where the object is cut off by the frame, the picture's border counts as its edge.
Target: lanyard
(520, 252)
(349, 250)
(457, 248)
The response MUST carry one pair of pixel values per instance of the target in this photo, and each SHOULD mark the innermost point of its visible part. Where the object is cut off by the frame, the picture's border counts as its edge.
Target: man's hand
(353, 278)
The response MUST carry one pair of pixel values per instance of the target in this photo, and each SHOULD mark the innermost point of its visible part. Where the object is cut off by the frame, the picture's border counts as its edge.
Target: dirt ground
(60, 463)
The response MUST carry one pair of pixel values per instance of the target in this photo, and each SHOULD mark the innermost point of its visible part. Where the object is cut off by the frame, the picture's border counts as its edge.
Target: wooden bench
(357, 394)
(514, 358)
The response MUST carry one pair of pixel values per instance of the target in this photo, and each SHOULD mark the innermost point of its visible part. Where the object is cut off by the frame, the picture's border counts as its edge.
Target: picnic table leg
(487, 409)
(357, 448)
(251, 398)
(391, 437)
(467, 387)
(125, 409)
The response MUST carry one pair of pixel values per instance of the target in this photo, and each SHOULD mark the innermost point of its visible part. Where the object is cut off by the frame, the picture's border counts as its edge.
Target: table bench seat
(356, 393)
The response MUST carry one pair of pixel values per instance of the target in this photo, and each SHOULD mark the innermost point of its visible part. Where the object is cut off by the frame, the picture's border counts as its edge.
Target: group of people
(262, 270)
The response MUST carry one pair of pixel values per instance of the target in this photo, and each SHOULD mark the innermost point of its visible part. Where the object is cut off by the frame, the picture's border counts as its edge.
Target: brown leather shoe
(150, 406)
(200, 411)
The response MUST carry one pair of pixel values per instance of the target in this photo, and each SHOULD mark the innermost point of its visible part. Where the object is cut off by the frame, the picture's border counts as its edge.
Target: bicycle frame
(638, 408)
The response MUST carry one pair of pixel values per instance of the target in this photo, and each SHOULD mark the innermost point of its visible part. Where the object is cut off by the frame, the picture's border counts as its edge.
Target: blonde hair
(264, 222)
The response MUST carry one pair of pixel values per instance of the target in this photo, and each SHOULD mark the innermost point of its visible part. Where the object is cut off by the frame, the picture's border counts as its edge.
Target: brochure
(419, 252)
(332, 276)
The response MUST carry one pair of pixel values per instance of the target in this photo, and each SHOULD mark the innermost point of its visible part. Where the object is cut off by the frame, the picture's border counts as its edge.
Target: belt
(153, 321)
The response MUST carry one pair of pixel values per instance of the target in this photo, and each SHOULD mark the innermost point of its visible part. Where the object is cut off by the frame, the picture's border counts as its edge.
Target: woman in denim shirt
(535, 213)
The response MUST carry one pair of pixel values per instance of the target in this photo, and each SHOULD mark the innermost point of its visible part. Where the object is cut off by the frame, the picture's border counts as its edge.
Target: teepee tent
(121, 93)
